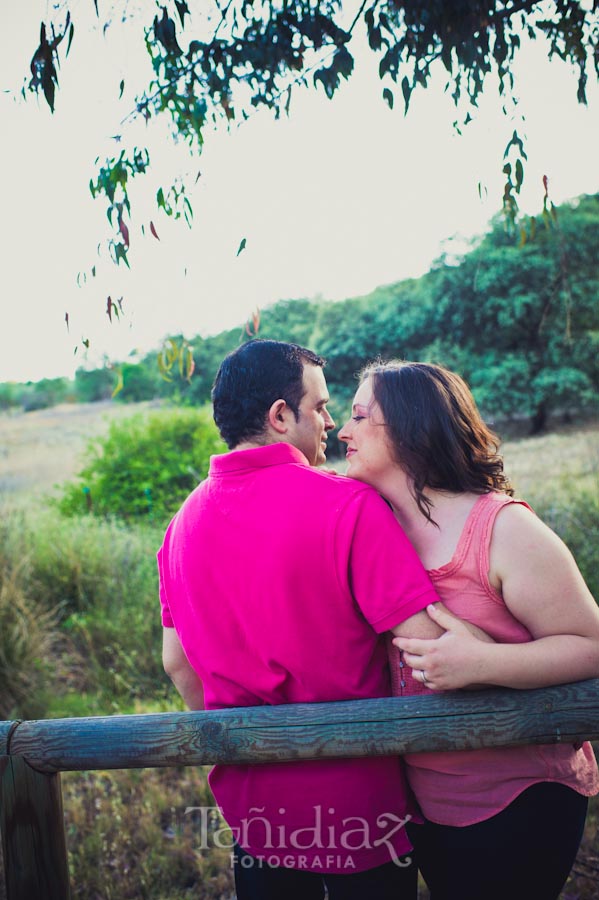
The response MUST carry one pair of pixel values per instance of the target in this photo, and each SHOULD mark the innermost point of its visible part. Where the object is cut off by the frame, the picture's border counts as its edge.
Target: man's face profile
(309, 433)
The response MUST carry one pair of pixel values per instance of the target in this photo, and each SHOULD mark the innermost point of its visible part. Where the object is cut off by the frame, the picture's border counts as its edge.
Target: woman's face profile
(369, 457)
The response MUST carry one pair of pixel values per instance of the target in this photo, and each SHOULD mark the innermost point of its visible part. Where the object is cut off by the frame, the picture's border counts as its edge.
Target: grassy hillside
(42, 448)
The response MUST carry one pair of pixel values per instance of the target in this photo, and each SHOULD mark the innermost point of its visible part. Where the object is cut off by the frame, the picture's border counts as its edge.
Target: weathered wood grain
(262, 734)
(6, 729)
(32, 829)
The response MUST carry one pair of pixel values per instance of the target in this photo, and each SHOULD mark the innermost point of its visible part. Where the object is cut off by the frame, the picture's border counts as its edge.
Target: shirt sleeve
(387, 579)
(167, 619)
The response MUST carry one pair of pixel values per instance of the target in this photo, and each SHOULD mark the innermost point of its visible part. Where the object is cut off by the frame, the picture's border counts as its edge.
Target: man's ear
(278, 416)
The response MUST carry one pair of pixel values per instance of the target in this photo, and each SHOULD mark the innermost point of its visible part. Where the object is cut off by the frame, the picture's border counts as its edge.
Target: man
(277, 585)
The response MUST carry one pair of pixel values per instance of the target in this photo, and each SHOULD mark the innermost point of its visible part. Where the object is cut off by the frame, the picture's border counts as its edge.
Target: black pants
(525, 852)
(255, 880)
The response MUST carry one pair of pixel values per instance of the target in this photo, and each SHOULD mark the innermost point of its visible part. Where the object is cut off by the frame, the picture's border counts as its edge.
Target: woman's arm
(543, 588)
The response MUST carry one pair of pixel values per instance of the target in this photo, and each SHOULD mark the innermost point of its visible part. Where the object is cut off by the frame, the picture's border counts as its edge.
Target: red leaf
(109, 309)
(66, 318)
(153, 230)
(124, 231)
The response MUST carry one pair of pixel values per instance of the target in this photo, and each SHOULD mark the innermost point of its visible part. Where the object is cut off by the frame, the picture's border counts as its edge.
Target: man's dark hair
(250, 379)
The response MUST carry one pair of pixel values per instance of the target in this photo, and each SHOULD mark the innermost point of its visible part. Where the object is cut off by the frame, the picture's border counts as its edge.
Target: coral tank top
(468, 786)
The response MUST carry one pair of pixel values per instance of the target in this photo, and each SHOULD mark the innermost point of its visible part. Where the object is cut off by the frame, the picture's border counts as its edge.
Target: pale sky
(342, 197)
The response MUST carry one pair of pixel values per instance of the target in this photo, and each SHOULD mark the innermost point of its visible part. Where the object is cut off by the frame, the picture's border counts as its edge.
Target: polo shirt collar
(257, 457)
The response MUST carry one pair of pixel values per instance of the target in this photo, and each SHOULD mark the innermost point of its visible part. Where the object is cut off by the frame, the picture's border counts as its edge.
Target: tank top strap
(486, 512)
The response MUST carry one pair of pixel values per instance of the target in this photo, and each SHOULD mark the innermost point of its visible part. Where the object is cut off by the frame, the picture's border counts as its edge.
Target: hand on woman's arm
(443, 645)
(455, 660)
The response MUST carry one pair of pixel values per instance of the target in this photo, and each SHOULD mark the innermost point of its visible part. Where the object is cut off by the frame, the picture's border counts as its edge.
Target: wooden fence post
(32, 830)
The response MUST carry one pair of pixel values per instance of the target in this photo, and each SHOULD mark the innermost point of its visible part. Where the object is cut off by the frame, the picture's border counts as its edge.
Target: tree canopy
(219, 61)
(520, 323)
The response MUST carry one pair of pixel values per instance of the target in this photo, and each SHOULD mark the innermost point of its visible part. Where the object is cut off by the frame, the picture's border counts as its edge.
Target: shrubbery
(145, 467)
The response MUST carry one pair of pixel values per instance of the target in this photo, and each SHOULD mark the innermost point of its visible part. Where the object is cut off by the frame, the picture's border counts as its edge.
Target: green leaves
(513, 182)
(177, 355)
(114, 308)
(517, 142)
(175, 203)
(183, 10)
(519, 173)
(43, 69)
(113, 183)
(165, 33)
(257, 52)
(341, 66)
(406, 89)
(161, 456)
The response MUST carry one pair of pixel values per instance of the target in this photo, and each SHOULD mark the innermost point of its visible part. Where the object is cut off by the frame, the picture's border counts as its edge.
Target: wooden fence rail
(32, 754)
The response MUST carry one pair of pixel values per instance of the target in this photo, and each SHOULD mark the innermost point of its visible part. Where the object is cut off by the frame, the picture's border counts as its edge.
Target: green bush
(145, 467)
(9, 398)
(94, 385)
(45, 393)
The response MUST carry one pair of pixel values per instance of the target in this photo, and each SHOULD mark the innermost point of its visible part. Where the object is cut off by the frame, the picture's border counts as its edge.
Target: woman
(499, 823)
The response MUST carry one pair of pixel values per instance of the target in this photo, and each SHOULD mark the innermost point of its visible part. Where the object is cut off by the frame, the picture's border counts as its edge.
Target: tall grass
(85, 593)
(131, 835)
(27, 641)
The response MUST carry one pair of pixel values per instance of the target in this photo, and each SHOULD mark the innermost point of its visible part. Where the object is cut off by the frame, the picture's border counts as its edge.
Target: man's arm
(435, 621)
(177, 667)
(418, 626)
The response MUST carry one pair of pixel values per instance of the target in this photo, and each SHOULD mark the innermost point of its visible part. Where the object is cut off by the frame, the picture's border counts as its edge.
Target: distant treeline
(519, 319)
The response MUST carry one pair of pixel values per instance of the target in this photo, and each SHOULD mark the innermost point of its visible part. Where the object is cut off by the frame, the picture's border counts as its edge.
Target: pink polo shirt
(280, 581)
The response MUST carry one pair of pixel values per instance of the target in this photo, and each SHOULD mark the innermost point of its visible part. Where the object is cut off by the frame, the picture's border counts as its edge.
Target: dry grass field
(535, 464)
(42, 449)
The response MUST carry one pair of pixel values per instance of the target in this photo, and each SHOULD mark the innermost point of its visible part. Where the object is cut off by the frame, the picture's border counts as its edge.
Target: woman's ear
(278, 416)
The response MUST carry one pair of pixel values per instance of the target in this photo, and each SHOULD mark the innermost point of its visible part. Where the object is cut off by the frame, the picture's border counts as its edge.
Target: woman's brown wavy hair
(435, 430)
